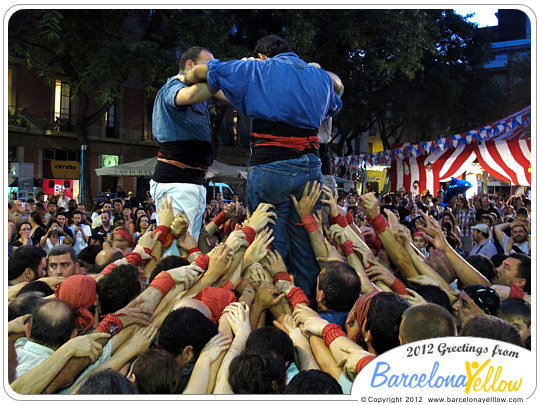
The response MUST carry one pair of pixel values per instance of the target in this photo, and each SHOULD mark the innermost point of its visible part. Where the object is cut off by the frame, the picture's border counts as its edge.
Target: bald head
(195, 304)
(53, 324)
(426, 321)
(107, 256)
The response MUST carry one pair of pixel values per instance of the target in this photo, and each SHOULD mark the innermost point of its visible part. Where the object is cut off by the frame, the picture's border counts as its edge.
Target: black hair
(383, 320)
(313, 382)
(167, 263)
(157, 372)
(25, 304)
(88, 255)
(271, 45)
(433, 294)
(426, 321)
(524, 269)
(185, 327)
(37, 218)
(116, 289)
(51, 221)
(491, 327)
(52, 324)
(24, 257)
(498, 259)
(257, 372)
(193, 54)
(106, 381)
(484, 265)
(38, 286)
(341, 285)
(272, 339)
(512, 308)
(62, 249)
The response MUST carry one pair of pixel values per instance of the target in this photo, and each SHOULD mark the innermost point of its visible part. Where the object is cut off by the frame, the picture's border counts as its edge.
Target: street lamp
(83, 148)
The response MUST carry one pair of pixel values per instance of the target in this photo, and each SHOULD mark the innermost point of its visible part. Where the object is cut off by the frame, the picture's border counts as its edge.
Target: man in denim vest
(181, 126)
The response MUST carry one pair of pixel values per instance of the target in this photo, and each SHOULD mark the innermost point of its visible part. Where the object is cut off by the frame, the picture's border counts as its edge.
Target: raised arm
(197, 74)
(395, 250)
(466, 273)
(37, 379)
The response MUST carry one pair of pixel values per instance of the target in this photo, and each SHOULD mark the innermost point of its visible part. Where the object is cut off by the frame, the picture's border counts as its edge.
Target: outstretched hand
(261, 217)
(165, 211)
(307, 202)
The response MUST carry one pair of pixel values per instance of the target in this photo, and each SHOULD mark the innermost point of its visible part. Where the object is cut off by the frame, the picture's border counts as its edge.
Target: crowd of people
(120, 315)
(293, 293)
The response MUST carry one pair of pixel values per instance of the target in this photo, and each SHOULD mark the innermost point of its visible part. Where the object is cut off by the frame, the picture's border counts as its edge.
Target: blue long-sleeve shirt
(281, 89)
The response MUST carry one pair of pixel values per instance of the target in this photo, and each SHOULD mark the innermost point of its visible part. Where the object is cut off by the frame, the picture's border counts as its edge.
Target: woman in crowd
(54, 236)
(38, 227)
(141, 225)
(23, 236)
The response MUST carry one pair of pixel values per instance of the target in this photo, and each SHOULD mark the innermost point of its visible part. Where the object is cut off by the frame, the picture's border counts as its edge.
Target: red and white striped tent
(503, 149)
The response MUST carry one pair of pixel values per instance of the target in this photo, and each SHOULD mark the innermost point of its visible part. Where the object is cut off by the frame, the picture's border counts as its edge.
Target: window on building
(109, 160)
(58, 154)
(110, 126)
(62, 104)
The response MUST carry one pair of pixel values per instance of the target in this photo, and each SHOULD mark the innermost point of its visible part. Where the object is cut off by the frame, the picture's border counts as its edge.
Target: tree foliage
(409, 74)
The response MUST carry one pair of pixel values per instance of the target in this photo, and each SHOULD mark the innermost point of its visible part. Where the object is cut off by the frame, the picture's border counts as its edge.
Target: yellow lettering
(471, 376)
(477, 383)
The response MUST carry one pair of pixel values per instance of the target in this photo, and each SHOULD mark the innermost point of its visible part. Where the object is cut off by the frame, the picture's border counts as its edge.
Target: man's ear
(367, 337)
(28, 328)
(29, 274)
(185, 357)
(189, 65)
(321, 297)
(131, 377)
(74, 333)
(261, 56)
(521, 282)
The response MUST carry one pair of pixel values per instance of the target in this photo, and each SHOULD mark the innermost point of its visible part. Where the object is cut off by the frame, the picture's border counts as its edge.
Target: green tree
(94, 51)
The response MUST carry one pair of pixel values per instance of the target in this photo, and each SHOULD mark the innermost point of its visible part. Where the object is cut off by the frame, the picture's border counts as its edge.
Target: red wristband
(228, 285)
(364, 361)
(148, 251)
(202, 261)
(331, 332)
(348, 248)
(220, 219)
(516, 292)
(134, 258)
(109, 268)
(193, 250)
(250, 234)
(339, 219)
(282, 276)
(163, 282)
(398, 287)
(349, 218)
(297, 296)
(110, 324)
(378, 223)
(165, 238)
(310, 225)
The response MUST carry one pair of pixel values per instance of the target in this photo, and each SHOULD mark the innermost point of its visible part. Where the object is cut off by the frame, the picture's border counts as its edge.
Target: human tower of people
(294, 293)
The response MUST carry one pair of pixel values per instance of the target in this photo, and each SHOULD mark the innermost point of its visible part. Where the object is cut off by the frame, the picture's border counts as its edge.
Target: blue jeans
(274, 183)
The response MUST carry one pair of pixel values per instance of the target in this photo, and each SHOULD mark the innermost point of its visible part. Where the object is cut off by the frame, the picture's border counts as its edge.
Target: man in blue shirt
(288, 100)
(181, 126)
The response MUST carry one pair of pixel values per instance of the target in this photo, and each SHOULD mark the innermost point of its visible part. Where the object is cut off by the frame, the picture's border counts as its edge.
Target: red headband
(124, 234)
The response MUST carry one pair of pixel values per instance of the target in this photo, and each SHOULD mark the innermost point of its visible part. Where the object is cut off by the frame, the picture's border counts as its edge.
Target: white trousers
(186, 197)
